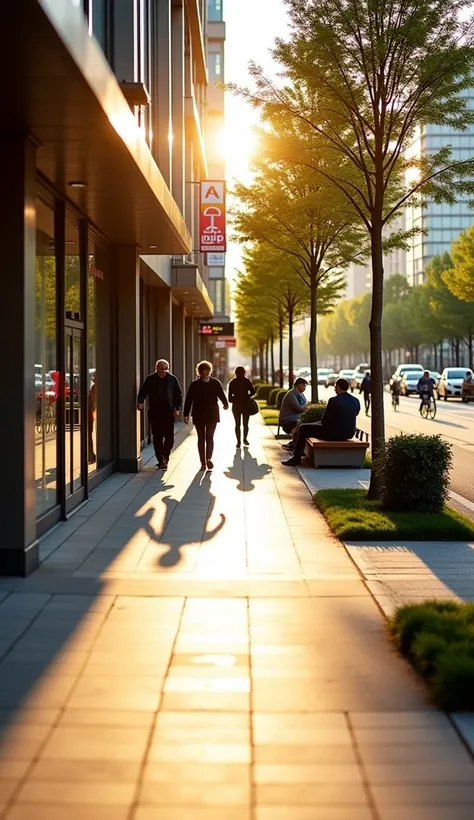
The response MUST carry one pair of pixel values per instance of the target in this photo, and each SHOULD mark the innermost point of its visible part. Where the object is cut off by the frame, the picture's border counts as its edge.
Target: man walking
(165, 398)
(366, 389)
(337, 424)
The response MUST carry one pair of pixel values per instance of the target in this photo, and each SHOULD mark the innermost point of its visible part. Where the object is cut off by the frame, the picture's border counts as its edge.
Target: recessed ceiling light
(153, 246)
(77, 184)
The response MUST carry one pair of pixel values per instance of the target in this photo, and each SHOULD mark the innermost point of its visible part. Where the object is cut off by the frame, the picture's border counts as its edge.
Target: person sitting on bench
(292, 406)
(337, 424)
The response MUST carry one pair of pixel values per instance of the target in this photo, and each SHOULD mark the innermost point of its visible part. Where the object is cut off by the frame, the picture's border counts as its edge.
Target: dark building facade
(103, 111)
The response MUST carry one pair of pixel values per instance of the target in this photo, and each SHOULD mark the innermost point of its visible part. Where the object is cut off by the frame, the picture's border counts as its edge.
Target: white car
(406, 368)
(450, 383)
(323, 373)
(349, 375)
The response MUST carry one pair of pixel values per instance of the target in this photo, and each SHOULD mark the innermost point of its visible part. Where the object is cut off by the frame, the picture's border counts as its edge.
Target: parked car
(409, 381)
(450, 383)
(358, 375)
(405, 368)
(304, 373)
(323, 373)
(331, 379)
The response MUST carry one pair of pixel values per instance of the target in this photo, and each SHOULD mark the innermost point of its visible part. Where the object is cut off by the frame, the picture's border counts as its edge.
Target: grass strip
(352, 517)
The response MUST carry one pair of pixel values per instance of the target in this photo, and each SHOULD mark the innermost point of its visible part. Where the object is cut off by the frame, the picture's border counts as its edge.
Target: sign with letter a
(212, 219)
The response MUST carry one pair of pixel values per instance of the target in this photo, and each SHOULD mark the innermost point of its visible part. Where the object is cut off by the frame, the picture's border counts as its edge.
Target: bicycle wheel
(432, 410)
(424, 411)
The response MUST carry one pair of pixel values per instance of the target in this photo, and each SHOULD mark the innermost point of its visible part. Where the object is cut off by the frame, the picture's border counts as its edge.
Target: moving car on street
(406, 368)
(450, 383)
(347, 374)
(358, 376)
(331, 379)
(409, 381)
(323, 373)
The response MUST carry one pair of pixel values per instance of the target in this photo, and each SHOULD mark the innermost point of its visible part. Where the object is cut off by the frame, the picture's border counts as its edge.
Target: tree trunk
(290, 348)
(441, 351)
(254, 364)
(272, 358)
(261, 362)
(280, 350)
(457, 352)
(435, 347)
(375, 326)
(469, 347)
(267, 377)
(313, 329)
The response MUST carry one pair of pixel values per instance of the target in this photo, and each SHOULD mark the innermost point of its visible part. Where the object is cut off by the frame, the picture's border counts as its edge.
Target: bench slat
(353, 444)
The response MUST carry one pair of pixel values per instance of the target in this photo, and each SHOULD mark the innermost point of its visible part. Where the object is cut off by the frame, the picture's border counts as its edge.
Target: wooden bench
(336, 453)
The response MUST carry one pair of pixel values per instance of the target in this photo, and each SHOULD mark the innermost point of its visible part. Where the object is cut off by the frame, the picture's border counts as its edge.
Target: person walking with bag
(202, 404)
(240, 391)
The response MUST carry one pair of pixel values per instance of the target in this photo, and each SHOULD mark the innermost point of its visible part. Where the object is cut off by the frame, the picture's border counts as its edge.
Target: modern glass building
(443, 222)
(103, 137)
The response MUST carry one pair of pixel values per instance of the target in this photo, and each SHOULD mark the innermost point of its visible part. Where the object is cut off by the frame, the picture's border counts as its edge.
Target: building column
(179, 369)
(128, 344)
(162, 81)
(19, 552)
(164, 345)
(190, 354)
(177, 103)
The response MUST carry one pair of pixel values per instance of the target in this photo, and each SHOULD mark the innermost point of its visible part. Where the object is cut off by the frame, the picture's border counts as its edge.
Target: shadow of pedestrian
(197, 507)
(246, 470)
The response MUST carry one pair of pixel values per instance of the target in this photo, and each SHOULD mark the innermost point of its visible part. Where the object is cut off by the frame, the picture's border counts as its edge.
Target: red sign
(212, 217)
(221, 344)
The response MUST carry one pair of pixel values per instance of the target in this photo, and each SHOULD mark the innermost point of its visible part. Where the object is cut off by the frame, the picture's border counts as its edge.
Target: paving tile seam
(141, 773)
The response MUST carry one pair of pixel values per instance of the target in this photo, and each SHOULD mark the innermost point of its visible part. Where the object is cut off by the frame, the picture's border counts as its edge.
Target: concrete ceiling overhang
(189, 290)
(59, 89)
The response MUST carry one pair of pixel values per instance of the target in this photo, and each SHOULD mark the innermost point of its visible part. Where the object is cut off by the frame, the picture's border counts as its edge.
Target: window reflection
(46, 374)
(92, 277)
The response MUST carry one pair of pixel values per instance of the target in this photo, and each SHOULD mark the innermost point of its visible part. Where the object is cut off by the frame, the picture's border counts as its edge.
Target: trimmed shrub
(263, 392)
(280, 396)
(414, 473)
(438, 638)
(272, 398)
(313, 412)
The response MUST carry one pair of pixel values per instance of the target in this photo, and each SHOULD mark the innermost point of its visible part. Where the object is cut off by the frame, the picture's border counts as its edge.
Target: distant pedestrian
(165, 398)
(202, 404)
(240, 390)
(366, 389)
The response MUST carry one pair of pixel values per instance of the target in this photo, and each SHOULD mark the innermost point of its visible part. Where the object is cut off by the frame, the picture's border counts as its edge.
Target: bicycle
(428, 409)
(395, 402)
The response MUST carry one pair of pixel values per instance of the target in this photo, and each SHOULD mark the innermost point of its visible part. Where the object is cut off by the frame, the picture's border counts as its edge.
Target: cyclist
(425, 387)
(395, 391)
(366, 389)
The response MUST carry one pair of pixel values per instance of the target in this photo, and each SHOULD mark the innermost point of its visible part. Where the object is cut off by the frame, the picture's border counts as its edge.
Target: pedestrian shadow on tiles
(246, 470)
(185, 522)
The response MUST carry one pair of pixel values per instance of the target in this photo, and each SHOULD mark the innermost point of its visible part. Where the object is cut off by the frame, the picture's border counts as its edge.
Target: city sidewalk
(199, 646)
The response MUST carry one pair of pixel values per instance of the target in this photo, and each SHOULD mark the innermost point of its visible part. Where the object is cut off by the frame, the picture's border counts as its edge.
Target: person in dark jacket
(165, 398)
(366, 389)
(337, 424)
(240, 390)
(202, 404)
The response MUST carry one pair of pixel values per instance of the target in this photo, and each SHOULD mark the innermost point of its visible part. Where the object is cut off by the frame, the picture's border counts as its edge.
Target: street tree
(365, 76)
(460, 278)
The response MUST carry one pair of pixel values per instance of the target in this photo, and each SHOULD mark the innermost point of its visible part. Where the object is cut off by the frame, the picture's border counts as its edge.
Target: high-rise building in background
(443, 222)
(107, 116)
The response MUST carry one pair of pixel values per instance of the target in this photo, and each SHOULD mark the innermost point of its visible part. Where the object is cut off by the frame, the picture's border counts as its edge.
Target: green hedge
(313, 412)
(282, 391)
(264, 391)
(414, 473)
(438, 639)
(272, 398)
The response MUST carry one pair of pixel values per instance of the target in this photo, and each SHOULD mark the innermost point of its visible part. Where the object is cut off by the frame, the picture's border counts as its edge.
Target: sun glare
(237, 146)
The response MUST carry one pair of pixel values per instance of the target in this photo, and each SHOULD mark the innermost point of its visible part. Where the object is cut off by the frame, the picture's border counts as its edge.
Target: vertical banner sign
(212, 218)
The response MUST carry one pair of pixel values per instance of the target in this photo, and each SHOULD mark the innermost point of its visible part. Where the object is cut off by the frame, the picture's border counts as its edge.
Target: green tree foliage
(460, 278)
(363, 75)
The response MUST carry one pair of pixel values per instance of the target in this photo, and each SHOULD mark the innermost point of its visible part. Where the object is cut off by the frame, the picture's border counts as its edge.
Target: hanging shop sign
(212, 218)
(215, 260)
(216, 329)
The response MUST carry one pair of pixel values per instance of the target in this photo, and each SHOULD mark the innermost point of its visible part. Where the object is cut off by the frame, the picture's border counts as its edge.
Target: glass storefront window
(46, 367)
(99, 331)
(72, 273)
(92, 271)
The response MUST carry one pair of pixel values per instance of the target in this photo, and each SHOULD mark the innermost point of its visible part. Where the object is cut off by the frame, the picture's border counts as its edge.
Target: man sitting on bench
(337, 424)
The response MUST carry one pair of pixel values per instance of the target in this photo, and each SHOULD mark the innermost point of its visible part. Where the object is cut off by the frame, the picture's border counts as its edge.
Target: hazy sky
(251, 27)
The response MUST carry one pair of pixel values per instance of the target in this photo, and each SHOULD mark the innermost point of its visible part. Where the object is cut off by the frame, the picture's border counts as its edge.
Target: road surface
(454, 422)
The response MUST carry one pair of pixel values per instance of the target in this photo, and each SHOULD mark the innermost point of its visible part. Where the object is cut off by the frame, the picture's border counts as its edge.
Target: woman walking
(240, 390)
(202, 404)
